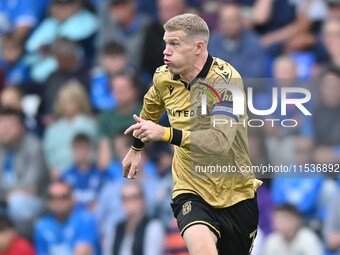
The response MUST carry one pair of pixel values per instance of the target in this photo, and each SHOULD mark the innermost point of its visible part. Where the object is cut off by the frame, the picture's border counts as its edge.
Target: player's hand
(131, 163)
(146, 130)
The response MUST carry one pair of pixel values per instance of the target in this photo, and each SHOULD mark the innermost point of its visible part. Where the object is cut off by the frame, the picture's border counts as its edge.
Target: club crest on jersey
(186, 208)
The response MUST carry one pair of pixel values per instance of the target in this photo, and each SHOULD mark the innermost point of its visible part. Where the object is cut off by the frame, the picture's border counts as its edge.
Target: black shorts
(234, 226)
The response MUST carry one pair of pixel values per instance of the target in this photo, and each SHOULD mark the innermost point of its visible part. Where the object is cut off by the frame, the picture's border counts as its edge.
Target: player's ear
(200, 46)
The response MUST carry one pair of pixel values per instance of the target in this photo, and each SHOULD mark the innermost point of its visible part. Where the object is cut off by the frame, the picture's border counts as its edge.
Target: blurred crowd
(72, 74)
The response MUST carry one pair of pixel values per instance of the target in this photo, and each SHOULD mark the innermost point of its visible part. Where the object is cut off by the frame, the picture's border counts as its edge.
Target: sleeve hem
(137, 144)
(176, 137)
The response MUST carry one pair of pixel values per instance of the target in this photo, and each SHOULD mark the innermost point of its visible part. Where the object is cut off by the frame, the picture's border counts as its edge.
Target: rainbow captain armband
(224, 108)
(172, 135)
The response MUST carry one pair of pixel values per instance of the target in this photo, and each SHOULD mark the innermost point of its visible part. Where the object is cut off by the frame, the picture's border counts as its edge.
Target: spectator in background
(65, 230)
(259, 156)
(10, 242)
(109, 209)
(316, 11)
(70, 67)
(161, 154)
(289, 236)
(309, 193)
(174, 243)
(331, 231)
(333, 8)
(137, 234)
(120, 144)
(122, 22)
(153, 45)
(322, 54)
(23, 176)
(13, 64)
(68, 19)
(278, 22)
(147, 7)
(17, 17)
(232, 43)
(11, 97)
(73, 117)
(113, 60)
(331, 39)
(302, 192)
(325, 124)
(2, 79)
(280, 139)
(42, 8)
(83, 176)
(113, 121)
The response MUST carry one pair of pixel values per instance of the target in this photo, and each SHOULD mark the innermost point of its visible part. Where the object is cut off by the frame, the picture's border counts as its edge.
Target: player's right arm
(153, 109)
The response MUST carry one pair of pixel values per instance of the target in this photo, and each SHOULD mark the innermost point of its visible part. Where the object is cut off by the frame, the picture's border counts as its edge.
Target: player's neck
(197, 67)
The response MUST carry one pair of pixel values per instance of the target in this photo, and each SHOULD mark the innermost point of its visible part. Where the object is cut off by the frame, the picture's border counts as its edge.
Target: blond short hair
(76, 91)
(192, 24)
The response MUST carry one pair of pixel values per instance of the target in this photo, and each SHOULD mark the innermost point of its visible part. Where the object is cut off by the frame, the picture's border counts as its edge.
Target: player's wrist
(167, 134)
(137, 144)
(172, 135)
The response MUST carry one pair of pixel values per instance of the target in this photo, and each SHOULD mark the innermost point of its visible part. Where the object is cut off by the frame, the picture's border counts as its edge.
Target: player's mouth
(167, 62)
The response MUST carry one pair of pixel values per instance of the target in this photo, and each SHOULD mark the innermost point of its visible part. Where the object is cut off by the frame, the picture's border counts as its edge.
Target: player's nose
(166, 51)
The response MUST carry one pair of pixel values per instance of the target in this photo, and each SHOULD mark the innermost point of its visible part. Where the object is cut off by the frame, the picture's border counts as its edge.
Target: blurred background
(72, 74)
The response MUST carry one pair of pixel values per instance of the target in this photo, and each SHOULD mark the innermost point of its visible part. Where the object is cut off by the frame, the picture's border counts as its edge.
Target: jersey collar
(204, 72)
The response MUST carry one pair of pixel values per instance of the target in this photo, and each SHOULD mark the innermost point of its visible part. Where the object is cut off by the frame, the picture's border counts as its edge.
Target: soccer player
(215, 214)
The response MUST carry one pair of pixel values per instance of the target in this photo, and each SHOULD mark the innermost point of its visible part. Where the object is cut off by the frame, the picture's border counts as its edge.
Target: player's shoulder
(162, 70)
(224, 69)
(162, 74)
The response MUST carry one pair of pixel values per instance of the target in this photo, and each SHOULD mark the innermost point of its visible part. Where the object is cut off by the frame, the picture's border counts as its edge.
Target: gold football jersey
(211, 147)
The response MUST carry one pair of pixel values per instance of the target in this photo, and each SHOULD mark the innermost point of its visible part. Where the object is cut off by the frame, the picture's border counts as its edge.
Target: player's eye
(171, 43)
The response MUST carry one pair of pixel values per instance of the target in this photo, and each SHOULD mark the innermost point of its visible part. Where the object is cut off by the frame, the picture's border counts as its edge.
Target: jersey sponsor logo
(186, 208)
(171, 89)
(227, 96)
(180, 113)
(188, 113)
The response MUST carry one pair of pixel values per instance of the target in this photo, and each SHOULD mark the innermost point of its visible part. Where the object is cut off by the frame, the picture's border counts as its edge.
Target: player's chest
(183, 106)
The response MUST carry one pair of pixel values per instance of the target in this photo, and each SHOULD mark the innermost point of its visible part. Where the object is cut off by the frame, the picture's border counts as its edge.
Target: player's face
(179, 52)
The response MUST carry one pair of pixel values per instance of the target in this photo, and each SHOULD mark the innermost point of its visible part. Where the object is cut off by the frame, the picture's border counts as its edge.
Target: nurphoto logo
(240, 103)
